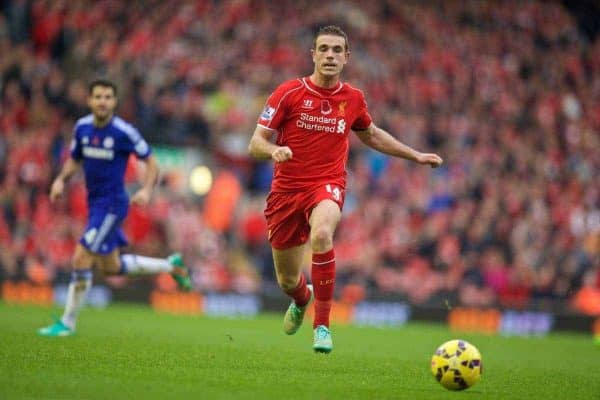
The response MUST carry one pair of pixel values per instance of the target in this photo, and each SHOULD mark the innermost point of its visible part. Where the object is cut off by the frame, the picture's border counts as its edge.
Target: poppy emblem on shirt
(325, 107)
(342, 109)
(95, 140)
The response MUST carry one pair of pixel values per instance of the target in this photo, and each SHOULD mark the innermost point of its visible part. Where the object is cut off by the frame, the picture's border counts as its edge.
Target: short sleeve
(363, 119)
(275, 109)
(136, 143)
(141, 148)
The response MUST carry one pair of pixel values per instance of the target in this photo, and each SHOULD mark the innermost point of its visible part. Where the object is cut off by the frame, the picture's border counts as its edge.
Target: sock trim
(324, 262)
(323, 258)
(295, 293)
(81, 275)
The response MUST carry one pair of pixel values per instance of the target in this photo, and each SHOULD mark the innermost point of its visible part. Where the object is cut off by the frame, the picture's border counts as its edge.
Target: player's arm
(142, 196)
(58, 185)
(382, 141)
(262, 148)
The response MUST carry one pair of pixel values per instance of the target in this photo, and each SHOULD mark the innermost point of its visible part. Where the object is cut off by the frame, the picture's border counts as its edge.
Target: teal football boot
(292, 321)
(57, 329)
(322, 340)
(180, 273)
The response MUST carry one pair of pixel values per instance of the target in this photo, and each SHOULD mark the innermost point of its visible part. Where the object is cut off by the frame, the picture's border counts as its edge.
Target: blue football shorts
(103, 232)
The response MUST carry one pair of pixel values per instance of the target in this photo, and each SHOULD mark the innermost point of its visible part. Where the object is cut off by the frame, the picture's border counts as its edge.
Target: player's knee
(81, 260)
(321, 239)
(109, 266)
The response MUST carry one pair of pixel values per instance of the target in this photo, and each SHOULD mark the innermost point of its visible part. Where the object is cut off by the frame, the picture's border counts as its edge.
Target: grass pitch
(130, 352)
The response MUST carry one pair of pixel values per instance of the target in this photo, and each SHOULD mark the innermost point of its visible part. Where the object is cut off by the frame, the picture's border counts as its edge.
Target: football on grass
(456, 365)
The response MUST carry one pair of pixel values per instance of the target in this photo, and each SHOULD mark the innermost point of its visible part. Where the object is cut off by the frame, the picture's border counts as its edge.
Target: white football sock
(132, 264)
(81, 282)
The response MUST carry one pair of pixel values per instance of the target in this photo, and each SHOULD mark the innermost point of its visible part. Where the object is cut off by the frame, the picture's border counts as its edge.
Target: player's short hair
(332, 30)
(103, 83)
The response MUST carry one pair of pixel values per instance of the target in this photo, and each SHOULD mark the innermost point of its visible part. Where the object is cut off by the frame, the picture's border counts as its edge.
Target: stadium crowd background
(507, 92)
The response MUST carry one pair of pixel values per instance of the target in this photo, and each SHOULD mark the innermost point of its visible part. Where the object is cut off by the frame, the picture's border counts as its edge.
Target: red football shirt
(315, 123)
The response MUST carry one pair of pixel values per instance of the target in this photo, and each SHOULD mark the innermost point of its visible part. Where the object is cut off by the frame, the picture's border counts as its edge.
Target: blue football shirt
(104, 153)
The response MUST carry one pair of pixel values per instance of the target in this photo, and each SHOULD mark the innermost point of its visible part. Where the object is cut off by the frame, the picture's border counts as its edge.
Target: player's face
(102, 102)
(330, 55)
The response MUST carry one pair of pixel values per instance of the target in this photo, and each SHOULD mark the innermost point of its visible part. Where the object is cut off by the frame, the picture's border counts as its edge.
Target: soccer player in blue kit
(102, 144)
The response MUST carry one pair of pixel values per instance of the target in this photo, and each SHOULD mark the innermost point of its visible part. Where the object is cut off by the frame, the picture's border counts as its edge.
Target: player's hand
(141, 197)
(430, 158)
(282, 154)
(57, 189)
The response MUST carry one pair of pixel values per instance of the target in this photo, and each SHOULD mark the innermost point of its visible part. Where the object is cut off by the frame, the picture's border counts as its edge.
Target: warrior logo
(307, 103)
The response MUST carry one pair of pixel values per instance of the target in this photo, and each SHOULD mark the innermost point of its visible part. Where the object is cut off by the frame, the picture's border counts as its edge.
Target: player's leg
(80, 285)
(288, 234)
(110, 238)
(288, 269)
(134, 264)
(323, 221)
(81, 282)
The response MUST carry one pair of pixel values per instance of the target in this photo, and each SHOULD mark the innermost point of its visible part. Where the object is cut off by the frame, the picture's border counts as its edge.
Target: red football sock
(323, 278)
(300, 294)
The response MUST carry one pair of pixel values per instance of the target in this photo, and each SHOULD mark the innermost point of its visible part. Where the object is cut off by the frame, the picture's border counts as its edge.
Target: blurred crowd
(507, 92)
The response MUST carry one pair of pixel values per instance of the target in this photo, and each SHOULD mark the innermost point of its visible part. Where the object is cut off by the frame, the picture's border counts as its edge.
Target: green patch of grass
(130, 352)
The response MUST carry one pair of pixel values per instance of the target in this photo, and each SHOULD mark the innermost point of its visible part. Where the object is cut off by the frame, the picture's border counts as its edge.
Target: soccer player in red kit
(312, 118)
